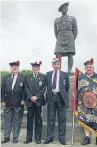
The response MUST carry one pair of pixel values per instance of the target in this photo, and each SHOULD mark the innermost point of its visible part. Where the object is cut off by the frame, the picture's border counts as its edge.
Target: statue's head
(63, 8)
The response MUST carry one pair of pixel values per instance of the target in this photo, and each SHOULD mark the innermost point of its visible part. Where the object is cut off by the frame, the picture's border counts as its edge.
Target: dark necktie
(54, 80)
(35, 75)
(12, 77)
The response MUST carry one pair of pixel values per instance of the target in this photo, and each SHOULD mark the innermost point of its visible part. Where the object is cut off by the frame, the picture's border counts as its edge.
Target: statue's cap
(65, 4)
(89, 62)
(17, 63)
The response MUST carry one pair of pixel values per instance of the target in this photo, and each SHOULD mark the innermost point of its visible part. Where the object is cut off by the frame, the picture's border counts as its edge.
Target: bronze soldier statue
(65, 29)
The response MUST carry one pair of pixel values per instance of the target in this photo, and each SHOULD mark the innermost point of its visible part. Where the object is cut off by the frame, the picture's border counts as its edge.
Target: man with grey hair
(12, 98)
(57, 101)
(35, 89)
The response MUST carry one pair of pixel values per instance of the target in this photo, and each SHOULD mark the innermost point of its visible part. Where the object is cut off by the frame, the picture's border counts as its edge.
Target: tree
(4, 73)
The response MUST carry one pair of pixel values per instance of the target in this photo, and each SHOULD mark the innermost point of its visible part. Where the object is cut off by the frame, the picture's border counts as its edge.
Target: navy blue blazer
(63, 87)
(35, 88)
(15, 96)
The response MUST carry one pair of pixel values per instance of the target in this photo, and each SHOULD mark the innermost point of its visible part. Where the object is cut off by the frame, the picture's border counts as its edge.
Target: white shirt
(57, 82)
(14, 80)
(35, 73)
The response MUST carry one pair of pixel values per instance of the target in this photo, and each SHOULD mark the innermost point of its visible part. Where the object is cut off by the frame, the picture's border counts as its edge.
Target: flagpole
(74, 104)
(73, 130)
(73, 119)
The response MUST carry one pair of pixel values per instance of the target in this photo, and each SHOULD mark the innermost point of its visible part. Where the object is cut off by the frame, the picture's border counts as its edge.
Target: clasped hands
(34, 98)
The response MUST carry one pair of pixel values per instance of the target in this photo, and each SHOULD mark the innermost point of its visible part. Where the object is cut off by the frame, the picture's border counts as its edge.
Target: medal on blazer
(64, 82)
(40, 83)
(21, 84)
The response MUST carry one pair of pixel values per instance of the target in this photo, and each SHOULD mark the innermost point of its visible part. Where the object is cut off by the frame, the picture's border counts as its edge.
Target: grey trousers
(12, 121)
(58, 106)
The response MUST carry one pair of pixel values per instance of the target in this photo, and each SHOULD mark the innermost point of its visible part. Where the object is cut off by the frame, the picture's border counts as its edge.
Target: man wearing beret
(12, 98)
(35, 88)
(65, 29)
(90, 113)
(57, 101)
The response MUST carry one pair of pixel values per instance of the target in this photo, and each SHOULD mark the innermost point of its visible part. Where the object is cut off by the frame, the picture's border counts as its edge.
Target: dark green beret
(89, 62)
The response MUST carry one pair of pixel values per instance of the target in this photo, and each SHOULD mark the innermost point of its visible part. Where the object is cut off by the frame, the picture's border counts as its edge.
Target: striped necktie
(35, 75)
(54, 80)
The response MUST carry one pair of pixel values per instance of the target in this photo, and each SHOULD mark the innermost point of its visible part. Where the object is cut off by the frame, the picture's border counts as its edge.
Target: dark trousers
(93, 125)
(34, 112)
(12, 121)
(58, 106)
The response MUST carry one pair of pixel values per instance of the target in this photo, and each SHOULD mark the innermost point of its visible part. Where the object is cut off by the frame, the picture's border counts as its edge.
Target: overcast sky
(27, 32)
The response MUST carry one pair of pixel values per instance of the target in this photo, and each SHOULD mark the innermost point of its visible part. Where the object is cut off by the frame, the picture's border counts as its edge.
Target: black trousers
(57, 105)
(34, 113)
(93, 125)
(12, 120)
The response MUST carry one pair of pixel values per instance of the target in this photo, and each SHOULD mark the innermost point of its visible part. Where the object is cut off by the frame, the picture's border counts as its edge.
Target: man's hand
(3, 104)
(22, 102)
(34, 98)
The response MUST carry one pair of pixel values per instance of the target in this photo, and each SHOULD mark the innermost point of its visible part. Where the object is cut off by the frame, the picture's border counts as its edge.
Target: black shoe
(62, 142)
(5, 140)
(38, 141)
(86, 141)
(15, 140)
(96, 140)
(27, 141)
(48, 141)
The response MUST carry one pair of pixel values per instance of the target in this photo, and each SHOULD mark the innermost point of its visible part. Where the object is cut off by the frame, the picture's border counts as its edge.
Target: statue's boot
(70, 63)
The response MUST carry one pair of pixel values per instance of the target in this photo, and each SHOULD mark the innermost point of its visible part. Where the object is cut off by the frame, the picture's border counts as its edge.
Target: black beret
(89, 62)
(17, 63)
(36, 64)
(65, 4)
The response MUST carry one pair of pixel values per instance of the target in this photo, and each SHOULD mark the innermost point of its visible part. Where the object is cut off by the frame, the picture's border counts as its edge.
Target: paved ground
(50, 145)
(55, 144)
